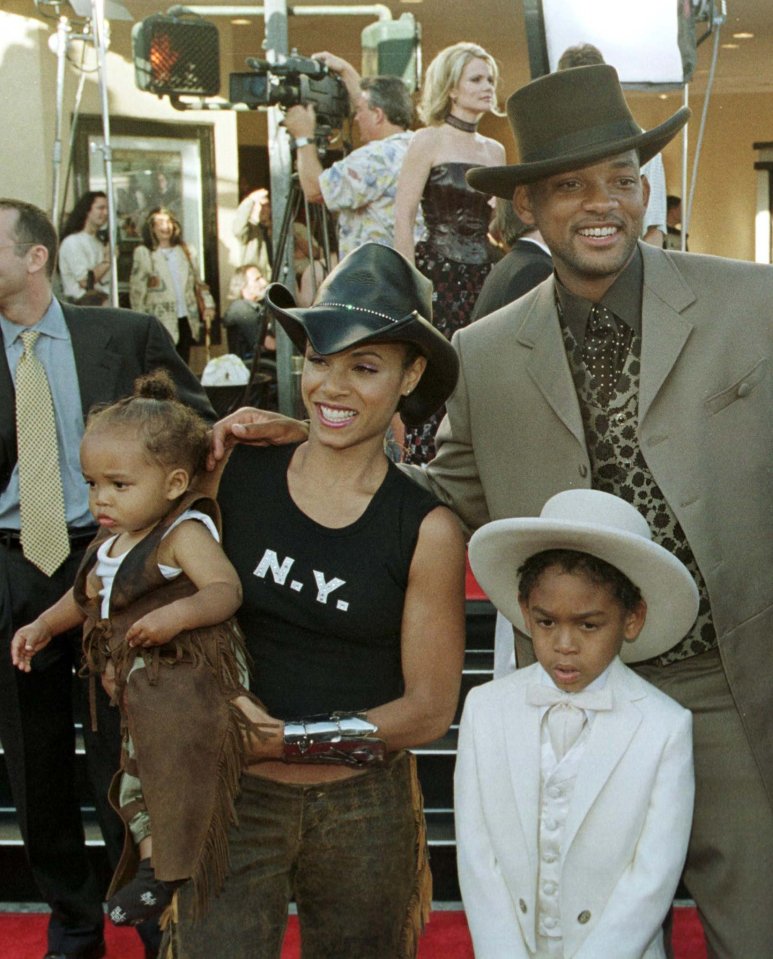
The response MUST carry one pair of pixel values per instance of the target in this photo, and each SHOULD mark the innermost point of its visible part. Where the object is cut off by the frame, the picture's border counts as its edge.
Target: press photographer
(361, 187)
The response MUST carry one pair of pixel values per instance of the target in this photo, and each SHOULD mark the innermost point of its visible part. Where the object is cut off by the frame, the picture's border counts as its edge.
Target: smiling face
(163, 228)
(351, 396)
(128, 492)
(577, 626)
(474, 93)
(590, 219)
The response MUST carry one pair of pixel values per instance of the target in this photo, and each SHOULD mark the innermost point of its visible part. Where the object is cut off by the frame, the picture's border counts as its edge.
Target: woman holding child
(353, 612)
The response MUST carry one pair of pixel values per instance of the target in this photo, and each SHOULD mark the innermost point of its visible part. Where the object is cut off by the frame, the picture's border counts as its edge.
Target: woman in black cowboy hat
(353, 613)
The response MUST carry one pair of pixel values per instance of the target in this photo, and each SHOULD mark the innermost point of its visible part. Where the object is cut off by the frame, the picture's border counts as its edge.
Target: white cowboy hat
(607, 527)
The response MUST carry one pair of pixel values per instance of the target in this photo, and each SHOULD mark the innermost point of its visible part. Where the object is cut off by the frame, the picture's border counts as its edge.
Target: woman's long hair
(76, 221)
(149, 237)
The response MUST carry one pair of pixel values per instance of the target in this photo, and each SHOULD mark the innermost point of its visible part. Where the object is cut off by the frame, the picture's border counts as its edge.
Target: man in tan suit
(674, 415)
(663, 397)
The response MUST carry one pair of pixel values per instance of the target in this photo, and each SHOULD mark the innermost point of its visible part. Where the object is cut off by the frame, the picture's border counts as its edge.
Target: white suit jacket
(626, 834)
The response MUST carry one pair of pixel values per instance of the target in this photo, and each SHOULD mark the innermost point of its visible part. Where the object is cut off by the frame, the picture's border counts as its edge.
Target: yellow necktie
(44, 539)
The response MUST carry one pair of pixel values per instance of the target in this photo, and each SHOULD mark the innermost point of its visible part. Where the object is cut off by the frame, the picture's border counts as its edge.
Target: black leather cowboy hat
(374, 294)
(567, 120)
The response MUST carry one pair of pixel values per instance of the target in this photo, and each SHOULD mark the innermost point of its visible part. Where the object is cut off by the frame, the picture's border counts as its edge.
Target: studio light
(651, 43)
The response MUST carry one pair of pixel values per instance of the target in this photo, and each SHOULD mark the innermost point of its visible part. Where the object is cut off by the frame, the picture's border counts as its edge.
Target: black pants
(36, 730)
(184, 339)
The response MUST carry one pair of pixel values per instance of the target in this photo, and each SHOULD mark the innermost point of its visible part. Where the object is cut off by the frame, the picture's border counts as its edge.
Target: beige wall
(725, 199)
(28, 115)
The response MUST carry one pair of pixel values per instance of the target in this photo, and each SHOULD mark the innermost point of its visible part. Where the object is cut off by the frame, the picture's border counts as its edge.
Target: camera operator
(84, 259)
(361, 187)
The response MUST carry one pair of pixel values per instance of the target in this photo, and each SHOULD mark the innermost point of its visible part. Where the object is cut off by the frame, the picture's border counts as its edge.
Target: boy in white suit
(574, 779)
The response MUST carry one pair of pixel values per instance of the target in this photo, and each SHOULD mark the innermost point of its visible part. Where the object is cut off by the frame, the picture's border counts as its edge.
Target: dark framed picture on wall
(153, 164)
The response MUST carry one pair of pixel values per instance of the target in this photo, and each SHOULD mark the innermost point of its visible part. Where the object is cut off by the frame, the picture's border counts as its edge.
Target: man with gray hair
(361, 187)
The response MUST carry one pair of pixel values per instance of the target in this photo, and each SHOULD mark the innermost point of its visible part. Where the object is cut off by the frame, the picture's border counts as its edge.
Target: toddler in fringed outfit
(156, 596)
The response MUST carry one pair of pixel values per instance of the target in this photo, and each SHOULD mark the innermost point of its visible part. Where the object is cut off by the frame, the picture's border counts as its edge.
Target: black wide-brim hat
(567, 120)
(374, 294)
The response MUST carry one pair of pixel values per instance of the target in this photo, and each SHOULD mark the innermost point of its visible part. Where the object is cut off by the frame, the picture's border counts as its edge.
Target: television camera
(293, 80)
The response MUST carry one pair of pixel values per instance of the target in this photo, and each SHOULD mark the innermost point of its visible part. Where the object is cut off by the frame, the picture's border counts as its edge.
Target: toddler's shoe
(145, 897)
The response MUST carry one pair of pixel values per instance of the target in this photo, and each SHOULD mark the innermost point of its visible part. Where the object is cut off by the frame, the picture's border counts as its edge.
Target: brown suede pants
(350, 852)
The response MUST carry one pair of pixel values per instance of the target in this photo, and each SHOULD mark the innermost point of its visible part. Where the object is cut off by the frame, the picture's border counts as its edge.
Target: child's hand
(108, 679)
(28, 641)
(154, 629)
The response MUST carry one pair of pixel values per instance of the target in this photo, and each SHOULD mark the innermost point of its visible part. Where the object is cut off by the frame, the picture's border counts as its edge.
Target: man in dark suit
(90, 356)
(527, 263)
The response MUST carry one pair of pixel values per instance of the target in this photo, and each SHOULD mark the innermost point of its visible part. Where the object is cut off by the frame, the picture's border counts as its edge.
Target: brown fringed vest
(186, 731)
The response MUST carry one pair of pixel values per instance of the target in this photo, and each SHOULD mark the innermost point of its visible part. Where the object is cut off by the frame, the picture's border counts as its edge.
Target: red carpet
(22, 936)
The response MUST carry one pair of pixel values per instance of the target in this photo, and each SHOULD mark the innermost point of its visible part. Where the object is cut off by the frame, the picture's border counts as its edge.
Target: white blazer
(626, 833)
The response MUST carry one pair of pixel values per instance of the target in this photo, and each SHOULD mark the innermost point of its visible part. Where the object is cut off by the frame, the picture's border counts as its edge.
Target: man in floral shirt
(361, 187)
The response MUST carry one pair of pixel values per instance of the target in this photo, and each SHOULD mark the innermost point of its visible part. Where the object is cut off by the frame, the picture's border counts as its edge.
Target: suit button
(584, 917)
(522, 906)
(583, 470)
(744, 389)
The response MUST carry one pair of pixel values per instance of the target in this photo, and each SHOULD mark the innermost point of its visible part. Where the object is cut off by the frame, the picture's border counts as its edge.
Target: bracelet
(338, 738)
(301, 142)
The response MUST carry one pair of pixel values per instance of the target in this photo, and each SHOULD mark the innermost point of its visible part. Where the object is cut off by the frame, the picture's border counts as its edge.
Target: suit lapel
(522, 738)
(547, 365)
(7, 421)
(609, 738)
(95, 363)
(664, 330)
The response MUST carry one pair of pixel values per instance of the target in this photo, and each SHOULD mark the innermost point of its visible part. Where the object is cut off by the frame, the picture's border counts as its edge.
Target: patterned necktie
(603, 352)
(566, 716)
(44, 539)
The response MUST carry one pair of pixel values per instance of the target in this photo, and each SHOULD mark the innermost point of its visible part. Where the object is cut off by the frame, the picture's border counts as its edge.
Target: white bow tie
(566, 716)
(540, 695)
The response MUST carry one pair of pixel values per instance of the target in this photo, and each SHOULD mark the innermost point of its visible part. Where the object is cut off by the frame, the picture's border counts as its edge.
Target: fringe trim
(420, 903)
(219, 649)
(213, 863)
(168, 923)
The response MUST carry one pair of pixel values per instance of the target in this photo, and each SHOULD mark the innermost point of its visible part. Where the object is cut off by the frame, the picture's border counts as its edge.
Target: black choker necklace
(458, 124)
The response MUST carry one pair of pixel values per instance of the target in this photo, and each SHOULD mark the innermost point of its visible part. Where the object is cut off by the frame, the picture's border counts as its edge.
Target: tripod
(317, 224)
(316, 233)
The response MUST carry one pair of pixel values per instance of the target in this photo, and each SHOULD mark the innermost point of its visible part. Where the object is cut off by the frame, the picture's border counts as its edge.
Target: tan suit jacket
(513, 437)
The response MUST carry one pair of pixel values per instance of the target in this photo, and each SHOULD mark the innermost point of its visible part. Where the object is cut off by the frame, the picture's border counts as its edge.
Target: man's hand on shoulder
(255, 428)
